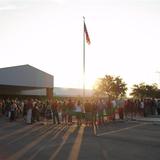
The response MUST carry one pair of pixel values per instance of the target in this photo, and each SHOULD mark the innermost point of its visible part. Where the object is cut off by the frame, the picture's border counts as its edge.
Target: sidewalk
(153, 118)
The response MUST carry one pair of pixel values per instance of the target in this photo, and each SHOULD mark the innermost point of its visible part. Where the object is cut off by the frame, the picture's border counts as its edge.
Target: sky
(48, 34)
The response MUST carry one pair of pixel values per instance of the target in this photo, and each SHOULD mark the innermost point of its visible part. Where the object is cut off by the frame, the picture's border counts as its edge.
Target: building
(25, 80)
(71, 92)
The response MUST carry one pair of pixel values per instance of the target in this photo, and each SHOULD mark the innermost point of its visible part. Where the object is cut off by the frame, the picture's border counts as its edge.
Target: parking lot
(114, 140)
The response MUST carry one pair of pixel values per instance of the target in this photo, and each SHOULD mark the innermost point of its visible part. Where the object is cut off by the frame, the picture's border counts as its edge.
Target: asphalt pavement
(119, 140)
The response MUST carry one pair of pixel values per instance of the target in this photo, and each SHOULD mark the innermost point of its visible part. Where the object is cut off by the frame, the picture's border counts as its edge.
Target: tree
(110, 86)
(143, 90)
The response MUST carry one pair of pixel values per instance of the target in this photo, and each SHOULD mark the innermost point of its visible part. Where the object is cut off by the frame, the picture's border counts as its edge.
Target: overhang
(25, 77)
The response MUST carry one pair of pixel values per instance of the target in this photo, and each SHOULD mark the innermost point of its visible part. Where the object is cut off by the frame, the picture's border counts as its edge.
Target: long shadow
(20, 137)
(30, 144)
(65, 146)
(47, 144)
(89, 148)
(37, 143)
(17, 131)
(74, 153)
(19, 144)
(7, 125)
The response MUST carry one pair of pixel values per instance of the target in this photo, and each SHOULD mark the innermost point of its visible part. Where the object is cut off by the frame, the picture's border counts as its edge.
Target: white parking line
(120, 130)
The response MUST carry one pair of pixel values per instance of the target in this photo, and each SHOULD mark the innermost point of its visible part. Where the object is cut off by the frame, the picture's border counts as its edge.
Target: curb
(157, 121)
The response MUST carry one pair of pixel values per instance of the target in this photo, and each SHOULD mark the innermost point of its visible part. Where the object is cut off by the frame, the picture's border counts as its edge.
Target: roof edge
(28, 66)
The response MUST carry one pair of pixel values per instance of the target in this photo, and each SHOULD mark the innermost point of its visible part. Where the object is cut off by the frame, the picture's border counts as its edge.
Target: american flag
(86, 34)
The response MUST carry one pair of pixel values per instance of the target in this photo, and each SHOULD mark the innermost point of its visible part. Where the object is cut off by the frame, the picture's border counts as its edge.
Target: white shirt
(78, 108)
(142, 105)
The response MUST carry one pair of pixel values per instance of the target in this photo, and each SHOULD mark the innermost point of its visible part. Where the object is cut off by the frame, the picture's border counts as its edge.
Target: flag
(86, 34)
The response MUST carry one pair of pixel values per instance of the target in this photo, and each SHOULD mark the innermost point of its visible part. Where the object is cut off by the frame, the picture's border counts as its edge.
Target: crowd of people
(69, 110)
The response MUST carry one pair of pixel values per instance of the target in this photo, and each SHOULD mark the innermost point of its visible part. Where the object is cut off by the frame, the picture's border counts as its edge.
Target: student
(64, 112)
(158, 107)
(29, 111)
(88, 113)
(13, 111)
(78, 112)
(70, 107)
(55, 112)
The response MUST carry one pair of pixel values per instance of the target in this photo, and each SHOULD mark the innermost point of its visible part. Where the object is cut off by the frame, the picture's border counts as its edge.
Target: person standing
(64, 112)
(55, 112)
(100, 109)
(158, 107)
(1, 108)
(142, 112)
(78, 112)
(70, 107)
(88, 113)
(29, 111)
(13, 110)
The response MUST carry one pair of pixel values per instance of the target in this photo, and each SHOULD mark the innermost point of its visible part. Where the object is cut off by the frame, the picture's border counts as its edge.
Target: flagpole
(83, 61)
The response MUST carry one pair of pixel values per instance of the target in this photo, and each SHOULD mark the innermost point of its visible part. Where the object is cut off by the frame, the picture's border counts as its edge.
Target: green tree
(110, 86)
(143, 90)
